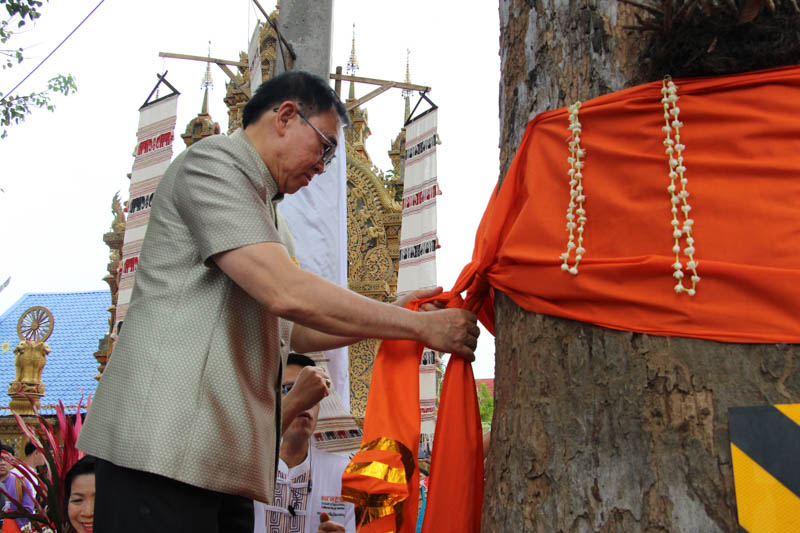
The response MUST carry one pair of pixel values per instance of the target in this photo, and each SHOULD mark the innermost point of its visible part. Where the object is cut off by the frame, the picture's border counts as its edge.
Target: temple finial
(208, 81)
(407, 92)
(352, 64)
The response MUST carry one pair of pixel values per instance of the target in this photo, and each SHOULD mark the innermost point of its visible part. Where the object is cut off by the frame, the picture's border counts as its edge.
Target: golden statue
(29, 363)
(34, 327)
(118, 224)
(113, 240)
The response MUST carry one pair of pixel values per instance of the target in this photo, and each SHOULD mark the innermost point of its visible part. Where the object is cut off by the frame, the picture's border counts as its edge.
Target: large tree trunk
(593, 429)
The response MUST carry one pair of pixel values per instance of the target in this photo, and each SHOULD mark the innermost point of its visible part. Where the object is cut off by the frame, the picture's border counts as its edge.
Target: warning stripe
(792, 410)
(764, 505)
(770, 438)
(766, 469)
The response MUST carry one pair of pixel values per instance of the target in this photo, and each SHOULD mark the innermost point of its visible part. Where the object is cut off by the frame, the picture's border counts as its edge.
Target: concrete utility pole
(308, 26)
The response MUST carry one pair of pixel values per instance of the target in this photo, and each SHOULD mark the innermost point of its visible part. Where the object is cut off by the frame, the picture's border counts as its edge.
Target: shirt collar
(267, 180)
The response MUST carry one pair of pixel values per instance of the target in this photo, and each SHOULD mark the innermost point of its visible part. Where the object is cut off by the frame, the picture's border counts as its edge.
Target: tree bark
(594, 429)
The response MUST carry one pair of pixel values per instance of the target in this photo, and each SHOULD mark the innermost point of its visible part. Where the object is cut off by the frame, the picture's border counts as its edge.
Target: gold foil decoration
(378, 470)
(370, 507)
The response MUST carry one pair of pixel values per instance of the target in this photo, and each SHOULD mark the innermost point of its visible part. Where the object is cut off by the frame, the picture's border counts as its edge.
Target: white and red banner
(418, 238)
(152, 155)
(418, 244)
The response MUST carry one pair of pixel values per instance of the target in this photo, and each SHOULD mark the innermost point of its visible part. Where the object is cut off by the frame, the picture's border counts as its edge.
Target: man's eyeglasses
(329, 147)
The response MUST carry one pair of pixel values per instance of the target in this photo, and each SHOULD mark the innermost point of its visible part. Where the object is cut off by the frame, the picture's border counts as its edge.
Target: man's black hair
(310, 92)
(7, 448)
(299, 360)
(30, 448)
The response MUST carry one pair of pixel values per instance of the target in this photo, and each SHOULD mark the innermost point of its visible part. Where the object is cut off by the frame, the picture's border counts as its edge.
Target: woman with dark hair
(79, 493)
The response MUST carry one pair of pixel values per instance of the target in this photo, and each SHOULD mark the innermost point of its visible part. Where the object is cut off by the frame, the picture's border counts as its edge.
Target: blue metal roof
(80, 320)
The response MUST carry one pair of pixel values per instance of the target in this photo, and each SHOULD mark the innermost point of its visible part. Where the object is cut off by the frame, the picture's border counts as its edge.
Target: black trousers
(132, 501)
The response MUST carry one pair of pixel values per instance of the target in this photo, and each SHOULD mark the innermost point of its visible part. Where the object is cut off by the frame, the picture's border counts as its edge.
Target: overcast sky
(60, 170)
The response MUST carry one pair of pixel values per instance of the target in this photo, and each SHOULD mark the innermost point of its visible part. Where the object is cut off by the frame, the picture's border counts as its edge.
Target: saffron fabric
(742, 157)
(382, 479)
(384, 501)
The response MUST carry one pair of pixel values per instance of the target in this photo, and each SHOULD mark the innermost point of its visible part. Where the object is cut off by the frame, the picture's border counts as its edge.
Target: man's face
(304, 424)
(304, 148)
(36, 459)
(5, 467)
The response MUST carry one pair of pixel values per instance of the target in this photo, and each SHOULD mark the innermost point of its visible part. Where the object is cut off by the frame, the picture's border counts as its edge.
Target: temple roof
(489, 382)
(201, 126)
(80, 320)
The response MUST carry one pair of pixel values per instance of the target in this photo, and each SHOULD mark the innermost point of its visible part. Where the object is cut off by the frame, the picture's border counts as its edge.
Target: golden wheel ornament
(35, 324)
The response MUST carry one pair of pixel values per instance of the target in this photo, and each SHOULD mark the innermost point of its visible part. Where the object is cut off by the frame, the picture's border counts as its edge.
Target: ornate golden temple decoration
(374, 217)
(373, 253)
(235, 97)
(34, 327)
(113, 240)
(201, 126)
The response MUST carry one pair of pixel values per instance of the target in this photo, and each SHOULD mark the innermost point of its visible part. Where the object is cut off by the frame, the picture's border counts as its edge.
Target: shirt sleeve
(26, 500)
(259, 517)
(220, 199)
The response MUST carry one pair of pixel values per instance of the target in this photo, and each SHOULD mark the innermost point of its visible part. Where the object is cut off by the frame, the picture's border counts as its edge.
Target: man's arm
(265, 271)
(305, 340)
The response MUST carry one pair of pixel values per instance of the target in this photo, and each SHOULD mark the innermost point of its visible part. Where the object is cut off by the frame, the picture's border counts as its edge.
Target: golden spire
(352, 65)
(406, 92)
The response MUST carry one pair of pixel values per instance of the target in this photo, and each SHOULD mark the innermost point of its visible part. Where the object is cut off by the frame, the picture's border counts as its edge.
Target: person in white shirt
(33, 462)
(308, 487)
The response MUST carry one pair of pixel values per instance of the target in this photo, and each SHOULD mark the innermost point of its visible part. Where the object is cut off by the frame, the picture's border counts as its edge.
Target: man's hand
(310, 387)
(326, 525)
(452, 331)
(418, 295)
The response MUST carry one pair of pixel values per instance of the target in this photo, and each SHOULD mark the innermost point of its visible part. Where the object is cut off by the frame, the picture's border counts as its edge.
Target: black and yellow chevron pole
(765, 449)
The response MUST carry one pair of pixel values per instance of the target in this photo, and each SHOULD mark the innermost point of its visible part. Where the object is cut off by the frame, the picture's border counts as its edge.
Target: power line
(9, 93)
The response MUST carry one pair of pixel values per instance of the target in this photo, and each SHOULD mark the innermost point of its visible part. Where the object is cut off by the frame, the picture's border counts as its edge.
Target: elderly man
(308, 488)
(186, 418)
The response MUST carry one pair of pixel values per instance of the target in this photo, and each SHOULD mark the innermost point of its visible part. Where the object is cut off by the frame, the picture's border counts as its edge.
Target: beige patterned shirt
(192, 389)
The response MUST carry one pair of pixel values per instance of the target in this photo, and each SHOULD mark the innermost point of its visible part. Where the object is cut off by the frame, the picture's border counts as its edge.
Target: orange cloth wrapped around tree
(725, 265)
(742, 158)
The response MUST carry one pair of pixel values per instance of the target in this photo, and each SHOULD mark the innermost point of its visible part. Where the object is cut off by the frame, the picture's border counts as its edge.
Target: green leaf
(14, 109)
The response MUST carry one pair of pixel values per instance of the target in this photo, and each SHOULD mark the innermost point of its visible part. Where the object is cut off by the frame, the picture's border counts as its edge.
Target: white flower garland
(678, 195)
(576, 194)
